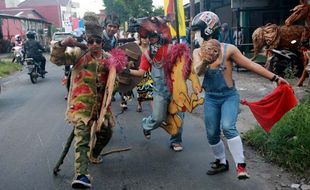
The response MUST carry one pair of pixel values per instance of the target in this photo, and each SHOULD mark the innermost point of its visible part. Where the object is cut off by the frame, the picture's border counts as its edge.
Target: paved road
(33, 132)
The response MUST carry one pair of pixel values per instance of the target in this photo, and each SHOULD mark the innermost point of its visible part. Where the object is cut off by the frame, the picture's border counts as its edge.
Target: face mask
(198, 38)
(153, 49)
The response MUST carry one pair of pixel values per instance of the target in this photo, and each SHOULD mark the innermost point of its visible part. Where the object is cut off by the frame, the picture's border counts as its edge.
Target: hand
(126, 71)
(69, 41)
(281, 80)
(197, 90)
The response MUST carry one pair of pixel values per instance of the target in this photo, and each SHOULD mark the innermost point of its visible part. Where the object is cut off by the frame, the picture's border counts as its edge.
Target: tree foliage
(126, 9)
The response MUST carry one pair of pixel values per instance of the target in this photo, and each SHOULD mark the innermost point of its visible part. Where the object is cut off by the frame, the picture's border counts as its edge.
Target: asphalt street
(33, 132)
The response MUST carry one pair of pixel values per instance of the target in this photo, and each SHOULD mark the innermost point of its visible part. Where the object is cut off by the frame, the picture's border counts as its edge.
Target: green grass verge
(7, 67)
(288, 143)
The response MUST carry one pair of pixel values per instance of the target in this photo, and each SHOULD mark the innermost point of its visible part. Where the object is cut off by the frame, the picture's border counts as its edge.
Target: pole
(192, 13)
(177, 20)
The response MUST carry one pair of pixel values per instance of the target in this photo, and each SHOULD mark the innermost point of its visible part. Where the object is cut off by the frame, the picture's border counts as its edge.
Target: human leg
(103, 138)
(212, 117)
(230, 110)
(159, 114)
(82, 137)
(176, 140)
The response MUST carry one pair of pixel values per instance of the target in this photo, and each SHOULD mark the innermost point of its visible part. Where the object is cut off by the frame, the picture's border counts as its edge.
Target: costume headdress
(92, 26)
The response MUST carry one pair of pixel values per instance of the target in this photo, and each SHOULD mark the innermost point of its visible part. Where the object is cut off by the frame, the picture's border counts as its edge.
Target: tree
(126, 9)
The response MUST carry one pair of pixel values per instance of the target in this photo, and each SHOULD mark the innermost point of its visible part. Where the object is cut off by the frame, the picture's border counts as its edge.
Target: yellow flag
(170, 14)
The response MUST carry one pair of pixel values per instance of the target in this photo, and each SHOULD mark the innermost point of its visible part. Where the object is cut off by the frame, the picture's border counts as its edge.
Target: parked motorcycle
(285, 63)
(34, 69)
(18, 55)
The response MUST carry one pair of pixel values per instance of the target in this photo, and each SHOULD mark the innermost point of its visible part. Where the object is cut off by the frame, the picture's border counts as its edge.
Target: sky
(96, 5)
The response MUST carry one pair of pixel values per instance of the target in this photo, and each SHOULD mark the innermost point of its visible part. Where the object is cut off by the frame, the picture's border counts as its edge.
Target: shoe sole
(80, 185)
(243, 176)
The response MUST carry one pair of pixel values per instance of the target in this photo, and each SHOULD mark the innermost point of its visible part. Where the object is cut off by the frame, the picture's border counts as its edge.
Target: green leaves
(126, 9)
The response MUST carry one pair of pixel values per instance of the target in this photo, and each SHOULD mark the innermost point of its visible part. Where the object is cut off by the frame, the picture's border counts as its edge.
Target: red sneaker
(241, 171)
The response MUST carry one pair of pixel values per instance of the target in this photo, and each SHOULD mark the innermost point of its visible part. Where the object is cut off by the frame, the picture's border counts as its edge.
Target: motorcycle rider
(32, 50)
(18, 48)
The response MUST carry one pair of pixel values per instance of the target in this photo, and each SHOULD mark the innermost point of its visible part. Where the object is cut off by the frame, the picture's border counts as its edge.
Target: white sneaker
(177, 147)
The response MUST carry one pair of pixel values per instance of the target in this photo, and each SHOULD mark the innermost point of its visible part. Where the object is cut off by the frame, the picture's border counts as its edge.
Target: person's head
(111, 24)
(18, 38)
(155, 30)
(208, 24)
(225, 27)
(31, 35)
(93, 32)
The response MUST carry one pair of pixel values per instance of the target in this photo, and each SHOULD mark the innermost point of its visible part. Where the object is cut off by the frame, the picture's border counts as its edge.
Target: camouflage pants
(82, 149)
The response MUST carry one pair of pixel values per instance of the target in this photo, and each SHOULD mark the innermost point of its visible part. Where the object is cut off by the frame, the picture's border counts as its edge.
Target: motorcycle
(34, 69)
(285, 63)
(18, 55)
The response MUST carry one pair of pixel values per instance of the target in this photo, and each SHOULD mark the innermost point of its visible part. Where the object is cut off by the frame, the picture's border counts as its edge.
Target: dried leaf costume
(90, 94)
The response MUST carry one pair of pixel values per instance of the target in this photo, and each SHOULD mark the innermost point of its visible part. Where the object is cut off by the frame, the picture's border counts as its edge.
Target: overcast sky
(96, 5)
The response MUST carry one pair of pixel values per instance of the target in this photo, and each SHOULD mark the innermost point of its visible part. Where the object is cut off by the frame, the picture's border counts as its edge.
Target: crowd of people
(94, 74)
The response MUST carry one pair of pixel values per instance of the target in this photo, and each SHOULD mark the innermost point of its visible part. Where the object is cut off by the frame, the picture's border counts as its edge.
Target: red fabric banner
(272, 107)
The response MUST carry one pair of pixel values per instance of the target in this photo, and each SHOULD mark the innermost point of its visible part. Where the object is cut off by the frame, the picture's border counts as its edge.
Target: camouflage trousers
(82, 149)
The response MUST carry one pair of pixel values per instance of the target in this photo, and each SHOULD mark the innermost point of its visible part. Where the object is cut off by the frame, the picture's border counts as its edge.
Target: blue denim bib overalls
(161, 99)
(221, 104)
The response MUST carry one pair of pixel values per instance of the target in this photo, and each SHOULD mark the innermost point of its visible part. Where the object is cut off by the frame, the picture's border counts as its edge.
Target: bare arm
(199, 64)
(243, 61)
(137, 73)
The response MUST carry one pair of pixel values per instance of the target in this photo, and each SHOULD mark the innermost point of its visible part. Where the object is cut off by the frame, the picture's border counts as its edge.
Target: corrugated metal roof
(33, 3)
(26, 13)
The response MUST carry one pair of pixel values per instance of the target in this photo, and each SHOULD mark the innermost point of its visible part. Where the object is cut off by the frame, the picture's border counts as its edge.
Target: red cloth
(144, 63)
(272, 107)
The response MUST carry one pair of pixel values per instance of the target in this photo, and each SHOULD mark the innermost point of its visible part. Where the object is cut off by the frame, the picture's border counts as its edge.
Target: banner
(169, 9)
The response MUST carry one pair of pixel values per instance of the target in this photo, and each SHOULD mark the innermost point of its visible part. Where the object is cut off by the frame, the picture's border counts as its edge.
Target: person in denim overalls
(213, 60)
(153, 60)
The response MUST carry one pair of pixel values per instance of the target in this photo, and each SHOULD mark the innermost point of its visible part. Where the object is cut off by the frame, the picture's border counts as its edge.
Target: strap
(224, 55)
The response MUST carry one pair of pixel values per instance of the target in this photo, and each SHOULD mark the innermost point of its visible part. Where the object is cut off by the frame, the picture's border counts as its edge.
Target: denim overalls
(161, 100)
(221, 104)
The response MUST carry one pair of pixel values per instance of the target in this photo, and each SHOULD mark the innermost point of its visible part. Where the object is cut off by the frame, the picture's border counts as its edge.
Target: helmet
(208, 23)
(152, 26)
(111, 19)
(18, 38)
(31, 34)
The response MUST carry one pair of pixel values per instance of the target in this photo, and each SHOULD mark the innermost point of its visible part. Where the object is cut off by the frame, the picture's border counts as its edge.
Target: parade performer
(214, 61)
(92, 83)
(145, 87)
(160, 60)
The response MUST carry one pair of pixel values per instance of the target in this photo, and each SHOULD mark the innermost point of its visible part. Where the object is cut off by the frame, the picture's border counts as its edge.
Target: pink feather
(177, 51)
(118, 59)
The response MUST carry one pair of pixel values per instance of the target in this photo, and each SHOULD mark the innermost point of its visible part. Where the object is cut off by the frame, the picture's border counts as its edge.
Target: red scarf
(272, 107)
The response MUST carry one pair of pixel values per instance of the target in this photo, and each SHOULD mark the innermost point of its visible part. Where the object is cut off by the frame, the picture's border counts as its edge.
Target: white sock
(219, 151)
(236, 149)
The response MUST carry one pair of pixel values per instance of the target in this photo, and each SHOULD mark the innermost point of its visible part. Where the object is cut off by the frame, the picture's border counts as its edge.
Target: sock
(219, 152)
(236, 149)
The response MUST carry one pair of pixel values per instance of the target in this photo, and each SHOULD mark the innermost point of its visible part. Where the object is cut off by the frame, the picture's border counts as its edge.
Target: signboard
(248, 3)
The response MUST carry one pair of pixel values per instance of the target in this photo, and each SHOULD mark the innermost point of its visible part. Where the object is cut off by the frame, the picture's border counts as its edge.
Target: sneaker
(147, 134)
(217, 167)
(124, 106)
(241, 171)
(113, 99)
(81, 182)
(177, 147)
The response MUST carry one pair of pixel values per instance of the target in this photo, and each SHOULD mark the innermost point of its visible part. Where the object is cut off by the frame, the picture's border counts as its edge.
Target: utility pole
(192, 14)
(202, 5)
(177, 20)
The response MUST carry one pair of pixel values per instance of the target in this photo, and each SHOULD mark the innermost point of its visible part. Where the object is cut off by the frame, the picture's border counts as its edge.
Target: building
(246, 14)
(59, 13)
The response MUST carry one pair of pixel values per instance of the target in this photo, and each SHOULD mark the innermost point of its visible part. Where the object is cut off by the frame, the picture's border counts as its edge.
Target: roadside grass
(7, 67)
(288, 143)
